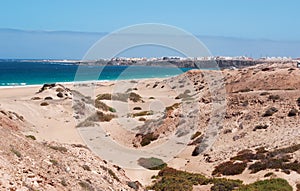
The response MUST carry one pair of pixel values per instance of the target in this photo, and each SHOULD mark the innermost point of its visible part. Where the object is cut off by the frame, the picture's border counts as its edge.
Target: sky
(228, 27)
(256, 19)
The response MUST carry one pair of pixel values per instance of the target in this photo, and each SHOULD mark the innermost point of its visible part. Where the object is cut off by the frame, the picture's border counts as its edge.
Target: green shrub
(277, 184)
(152, 163)
(170, 179)
(101, 105)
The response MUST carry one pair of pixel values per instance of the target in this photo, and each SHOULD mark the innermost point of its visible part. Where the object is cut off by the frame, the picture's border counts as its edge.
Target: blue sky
(258, 27)
(254, 19)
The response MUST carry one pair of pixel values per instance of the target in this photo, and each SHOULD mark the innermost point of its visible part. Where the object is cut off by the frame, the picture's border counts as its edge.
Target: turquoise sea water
(18, 73)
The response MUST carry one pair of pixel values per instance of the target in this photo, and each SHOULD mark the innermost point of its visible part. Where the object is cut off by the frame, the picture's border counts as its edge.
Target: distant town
(183, 62)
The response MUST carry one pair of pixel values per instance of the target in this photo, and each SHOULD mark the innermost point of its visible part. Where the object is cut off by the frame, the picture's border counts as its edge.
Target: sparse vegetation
(176, 180)
(16, 152)
(110, 172)
(54, 162)
(48, 98)
(86, 186)
(293, 112)
(63, 182)
(270, 112)
(142, 113)
(274, 97)
(152, 163)
(244, 90)
(260, 127)
(36, 98)
(230, 168)
(147, 138)
(133, 185)
(86, 167)
(101, 105)
(264, 93)
(195, 135)
(117, 97)
(276, 159)
(135, 97)
(172, 107)
(44, 104)
(277, 184)
(96, 117)
(142, 119)
(59, 148)
(137, 108)
(30, 137)
(269, 174)
(298, 102)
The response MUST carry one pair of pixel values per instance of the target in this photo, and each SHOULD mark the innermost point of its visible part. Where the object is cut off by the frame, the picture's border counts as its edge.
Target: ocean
(20, 72)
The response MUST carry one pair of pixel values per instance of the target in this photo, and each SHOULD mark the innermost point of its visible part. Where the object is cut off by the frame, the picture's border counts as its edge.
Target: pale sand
(55, 122)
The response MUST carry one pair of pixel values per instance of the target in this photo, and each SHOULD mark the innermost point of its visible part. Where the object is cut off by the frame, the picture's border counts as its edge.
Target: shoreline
(85, 82)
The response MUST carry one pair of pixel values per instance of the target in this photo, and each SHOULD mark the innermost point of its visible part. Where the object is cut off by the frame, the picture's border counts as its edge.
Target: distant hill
(73, 45)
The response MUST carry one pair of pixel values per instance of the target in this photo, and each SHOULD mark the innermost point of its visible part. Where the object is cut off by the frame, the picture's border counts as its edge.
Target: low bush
(293, 112)
(152, 163)
(101, 105)
(277, 184)
(172, 107)
(31, 137)
(298, 101)
(274, 97)
(142, 119)
(230, 168)
(137, 108)
(257, 127)
(86, 186)
(264, 93)
(135, 97)
(142, 113)
(147, 138)
(16, 152)
(195, 135)
(86, 167)
(59, 148)
(44, 104)
(48, 98)
(270, 112)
